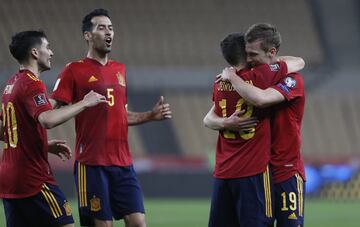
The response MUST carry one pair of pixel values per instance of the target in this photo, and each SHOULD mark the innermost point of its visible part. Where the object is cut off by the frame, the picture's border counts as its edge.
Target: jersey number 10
(9, 120)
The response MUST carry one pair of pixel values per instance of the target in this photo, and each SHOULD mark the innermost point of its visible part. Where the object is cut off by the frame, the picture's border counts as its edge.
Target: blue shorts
(107, 192)
(243, 201)
(48, 208)
(289, 202)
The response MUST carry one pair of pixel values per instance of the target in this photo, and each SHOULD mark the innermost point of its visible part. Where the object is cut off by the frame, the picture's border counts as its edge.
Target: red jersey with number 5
(102, 130)
(24, 163)
(246, 153)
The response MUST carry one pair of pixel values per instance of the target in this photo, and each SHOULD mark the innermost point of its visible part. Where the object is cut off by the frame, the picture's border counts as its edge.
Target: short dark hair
(233, 48)
(86, 23)
(266, 32)
(22, 42)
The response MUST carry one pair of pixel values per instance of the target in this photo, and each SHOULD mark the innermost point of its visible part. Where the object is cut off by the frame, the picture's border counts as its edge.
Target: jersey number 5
(9, 120)
(110, 96)
(249, 110)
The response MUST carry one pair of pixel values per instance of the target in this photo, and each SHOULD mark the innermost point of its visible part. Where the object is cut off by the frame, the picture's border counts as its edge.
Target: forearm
(212, 121)
(136, 118)
(294, 64)
(54, 117)
(250, 93)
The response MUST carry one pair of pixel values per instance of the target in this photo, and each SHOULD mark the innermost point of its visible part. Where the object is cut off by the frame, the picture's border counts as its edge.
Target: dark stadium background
(171, 48)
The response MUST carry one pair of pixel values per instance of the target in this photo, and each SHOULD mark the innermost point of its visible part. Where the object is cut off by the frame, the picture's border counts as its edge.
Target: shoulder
(30, 82)
(75, 64)
(113, 63)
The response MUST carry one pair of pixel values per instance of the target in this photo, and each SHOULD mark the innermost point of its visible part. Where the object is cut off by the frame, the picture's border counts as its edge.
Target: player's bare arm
(60, 149)
(160, 111)
(54, 117)
(235, 122)
(294, 64)
(255, 96)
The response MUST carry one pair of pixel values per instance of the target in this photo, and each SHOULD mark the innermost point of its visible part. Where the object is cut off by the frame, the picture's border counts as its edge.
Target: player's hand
(92, 99)
(60, 149)
(161, 110)
(237, 122)
(226, 74)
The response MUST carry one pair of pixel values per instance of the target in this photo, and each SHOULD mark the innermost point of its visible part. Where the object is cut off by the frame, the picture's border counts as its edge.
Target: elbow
(260, 103)
(301, 63)
(46, 121)
(206, 122)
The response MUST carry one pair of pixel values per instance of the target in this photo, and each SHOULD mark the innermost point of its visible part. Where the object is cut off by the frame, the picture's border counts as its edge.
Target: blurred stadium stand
(171, 48)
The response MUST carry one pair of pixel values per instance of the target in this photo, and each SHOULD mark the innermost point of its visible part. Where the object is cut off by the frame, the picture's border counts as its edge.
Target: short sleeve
(280, 69)
(64, 87)
(291, 87)
(36, 99)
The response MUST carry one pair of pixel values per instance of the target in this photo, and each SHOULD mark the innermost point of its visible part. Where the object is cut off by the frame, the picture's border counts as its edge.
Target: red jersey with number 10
(102, 130)
(24, 166)
(247, 153)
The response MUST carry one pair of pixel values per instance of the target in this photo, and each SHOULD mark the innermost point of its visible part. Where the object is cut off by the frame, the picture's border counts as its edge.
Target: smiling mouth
(108, 42)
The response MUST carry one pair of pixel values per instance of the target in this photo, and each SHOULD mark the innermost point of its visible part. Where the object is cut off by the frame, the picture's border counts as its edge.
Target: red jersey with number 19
(247, 153)
(286, 159)
(102, 130)
(24, 164)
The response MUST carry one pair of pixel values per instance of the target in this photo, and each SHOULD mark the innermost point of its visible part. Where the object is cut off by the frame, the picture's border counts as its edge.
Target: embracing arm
(52, 118)
(234, 122)
(255, 96)
(293, 64)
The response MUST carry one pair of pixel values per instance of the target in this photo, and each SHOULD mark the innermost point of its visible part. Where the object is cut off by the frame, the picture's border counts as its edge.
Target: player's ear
(34, 53)
(87, 35)
(272, 51)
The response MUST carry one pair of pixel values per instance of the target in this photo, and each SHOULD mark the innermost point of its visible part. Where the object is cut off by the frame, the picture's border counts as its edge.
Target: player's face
(44, 55)
(256, 55)
(102, 34)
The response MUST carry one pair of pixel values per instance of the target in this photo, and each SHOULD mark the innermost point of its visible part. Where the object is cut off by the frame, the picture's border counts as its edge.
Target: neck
(32, 68)
(102, 58)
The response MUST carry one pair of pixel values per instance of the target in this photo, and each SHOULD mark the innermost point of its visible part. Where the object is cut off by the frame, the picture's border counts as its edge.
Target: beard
(44, 66)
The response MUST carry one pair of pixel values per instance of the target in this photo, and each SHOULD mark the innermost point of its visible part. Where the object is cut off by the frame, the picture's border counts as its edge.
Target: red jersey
(244, 154)
(286, 158)
(102, 130)
(24, 164)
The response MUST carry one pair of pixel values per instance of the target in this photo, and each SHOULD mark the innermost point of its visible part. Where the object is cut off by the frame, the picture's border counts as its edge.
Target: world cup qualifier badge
(290, 82)
(40, 99)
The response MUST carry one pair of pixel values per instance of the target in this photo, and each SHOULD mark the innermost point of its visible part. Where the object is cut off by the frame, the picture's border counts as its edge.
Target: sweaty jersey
(247, 153)
(24, 164)
(102, 130)
(286, 159)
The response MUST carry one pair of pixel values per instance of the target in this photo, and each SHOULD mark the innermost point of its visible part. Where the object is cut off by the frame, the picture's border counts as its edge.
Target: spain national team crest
(121, 79)
(95, 204)
(67, 208)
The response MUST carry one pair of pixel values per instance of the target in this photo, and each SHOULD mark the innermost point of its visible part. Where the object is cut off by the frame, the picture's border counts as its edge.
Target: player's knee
(135, 220)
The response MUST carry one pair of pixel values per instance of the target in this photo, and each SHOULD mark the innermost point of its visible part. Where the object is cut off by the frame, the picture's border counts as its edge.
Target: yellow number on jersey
(9, 120)
(249, 111)
(110, 96)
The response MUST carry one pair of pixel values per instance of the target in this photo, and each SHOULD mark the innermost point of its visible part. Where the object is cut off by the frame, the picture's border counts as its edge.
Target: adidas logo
(292, 216)
(92, 79)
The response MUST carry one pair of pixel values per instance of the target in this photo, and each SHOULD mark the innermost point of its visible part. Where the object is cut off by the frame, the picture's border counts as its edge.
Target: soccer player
(30, 194)
(242, 185)
(263, 42)
(106, 182)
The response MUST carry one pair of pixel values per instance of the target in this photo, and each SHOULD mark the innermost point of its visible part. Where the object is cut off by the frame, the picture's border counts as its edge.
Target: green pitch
(194, 213)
